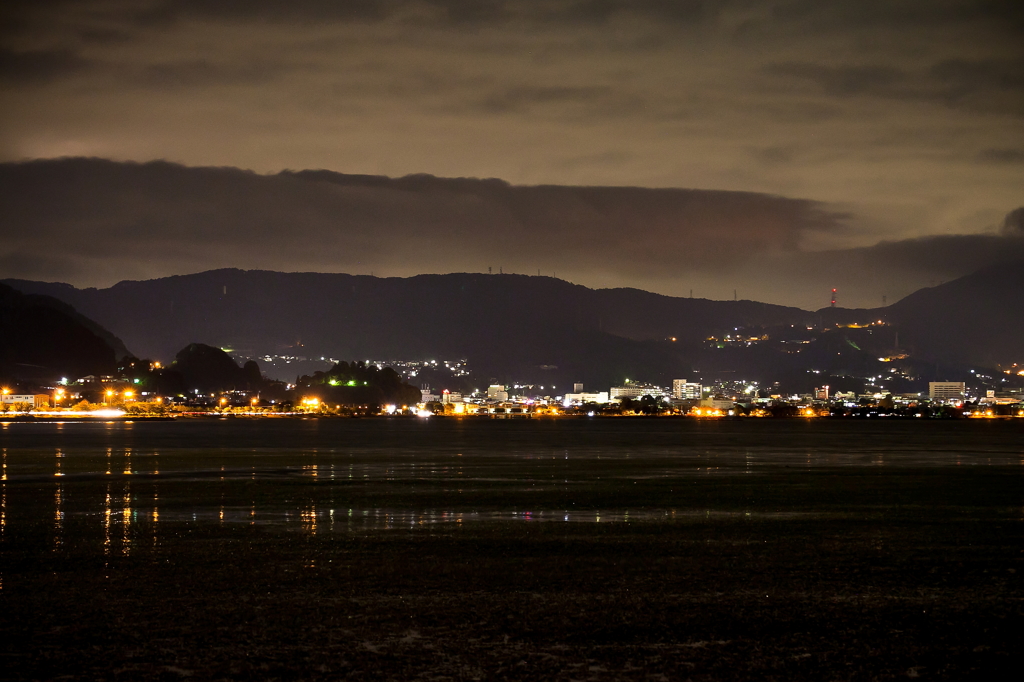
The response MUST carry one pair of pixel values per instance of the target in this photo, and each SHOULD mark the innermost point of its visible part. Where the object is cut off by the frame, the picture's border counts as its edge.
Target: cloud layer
(95, 222)
(909, 114)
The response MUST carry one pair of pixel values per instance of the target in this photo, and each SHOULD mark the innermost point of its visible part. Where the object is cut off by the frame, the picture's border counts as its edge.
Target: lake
(538, 549)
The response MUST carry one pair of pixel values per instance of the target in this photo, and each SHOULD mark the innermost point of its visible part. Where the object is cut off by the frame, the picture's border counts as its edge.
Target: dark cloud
(906, 111)
(838, 15)
(104, 36)
(165, 215)
(38, 66)
(453, 12)
(1001, 156)
(203, 73)
(774, 155)
(867, 277)
(811, 15)
(988, 85)
(991, 84)
(1013, 224)
(518, 98)
(94, 222)
(845, 80)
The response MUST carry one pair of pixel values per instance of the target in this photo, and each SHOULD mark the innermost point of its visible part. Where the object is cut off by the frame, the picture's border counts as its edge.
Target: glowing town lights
(108, 413)
(128, 395)
(389, 409)
(706, 412)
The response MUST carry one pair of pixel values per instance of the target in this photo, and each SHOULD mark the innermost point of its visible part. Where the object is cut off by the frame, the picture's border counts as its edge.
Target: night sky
(877, 146)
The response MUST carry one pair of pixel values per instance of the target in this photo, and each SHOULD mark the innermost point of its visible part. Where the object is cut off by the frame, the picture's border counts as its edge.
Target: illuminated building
(37, 401)
(580, 398)
(718, 403)
(684, 390)
(946, 390)
(635, 390)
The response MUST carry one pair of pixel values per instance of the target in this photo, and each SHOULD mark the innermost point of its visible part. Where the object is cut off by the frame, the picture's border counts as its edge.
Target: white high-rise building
(684, 390)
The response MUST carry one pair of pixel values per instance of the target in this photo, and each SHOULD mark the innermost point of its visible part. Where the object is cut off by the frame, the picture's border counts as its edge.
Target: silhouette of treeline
(358, 384)
(207, 368)
(196, 367)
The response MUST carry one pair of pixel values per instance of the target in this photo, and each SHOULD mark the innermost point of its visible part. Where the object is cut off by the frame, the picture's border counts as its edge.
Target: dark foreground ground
(846, 574)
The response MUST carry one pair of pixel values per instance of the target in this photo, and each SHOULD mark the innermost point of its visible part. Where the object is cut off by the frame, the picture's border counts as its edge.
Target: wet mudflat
(611, 549)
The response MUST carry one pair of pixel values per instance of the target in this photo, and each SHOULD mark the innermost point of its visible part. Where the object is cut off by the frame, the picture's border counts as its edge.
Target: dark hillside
(539, 328)
(978, 318)
(42, 339)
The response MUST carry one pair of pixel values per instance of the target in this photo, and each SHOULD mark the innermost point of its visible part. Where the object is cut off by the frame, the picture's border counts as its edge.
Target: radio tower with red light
(833, 298)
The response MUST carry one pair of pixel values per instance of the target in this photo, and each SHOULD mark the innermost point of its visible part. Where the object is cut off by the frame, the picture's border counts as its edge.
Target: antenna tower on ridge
(833, 297)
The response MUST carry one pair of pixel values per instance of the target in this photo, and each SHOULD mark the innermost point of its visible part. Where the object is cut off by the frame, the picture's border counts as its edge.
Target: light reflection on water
(313, 519)
(125, 481)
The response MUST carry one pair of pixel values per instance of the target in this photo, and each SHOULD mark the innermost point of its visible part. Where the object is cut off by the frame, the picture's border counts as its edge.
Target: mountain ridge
(515, 325)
